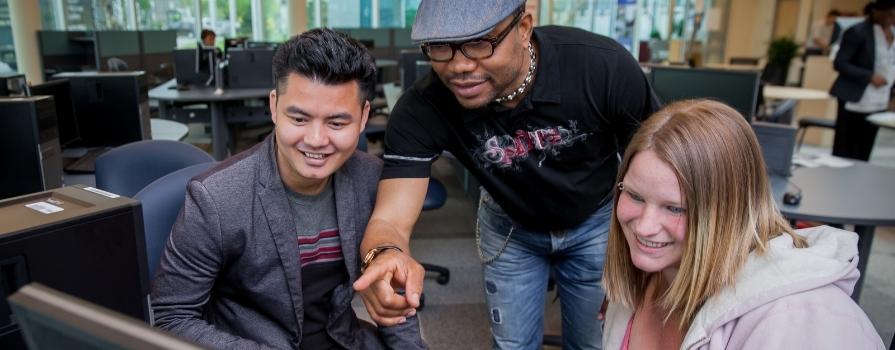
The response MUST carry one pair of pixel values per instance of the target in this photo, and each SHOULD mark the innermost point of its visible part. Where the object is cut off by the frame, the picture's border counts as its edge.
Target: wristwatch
(375, 252)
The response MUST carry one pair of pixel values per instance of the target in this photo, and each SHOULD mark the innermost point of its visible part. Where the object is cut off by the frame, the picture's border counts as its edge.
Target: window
(7, 49)
(179, 15)
(362, 13)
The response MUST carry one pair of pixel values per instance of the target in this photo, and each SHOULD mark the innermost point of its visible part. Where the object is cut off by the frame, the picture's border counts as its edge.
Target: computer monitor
(250, 68)
(67, 123)
(13, 85)
(262, 44)
(778, 142)
(51, 319)
(230, 43)
(79, 240)
(737, 88)
(194, 67)
(29, 146)
(112, 108)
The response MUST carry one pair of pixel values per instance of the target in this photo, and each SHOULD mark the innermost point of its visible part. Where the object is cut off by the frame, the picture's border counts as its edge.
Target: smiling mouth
(651, 244)
(314, 155)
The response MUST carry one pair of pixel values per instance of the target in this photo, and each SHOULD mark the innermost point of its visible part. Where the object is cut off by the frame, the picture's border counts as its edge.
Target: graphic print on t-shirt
(324, 247)
(506, 151)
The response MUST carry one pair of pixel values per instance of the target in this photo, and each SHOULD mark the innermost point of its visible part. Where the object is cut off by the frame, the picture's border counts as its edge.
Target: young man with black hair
(265, 248)
(538, 116)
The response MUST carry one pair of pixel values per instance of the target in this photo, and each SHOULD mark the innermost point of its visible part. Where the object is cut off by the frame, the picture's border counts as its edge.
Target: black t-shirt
(551, 161)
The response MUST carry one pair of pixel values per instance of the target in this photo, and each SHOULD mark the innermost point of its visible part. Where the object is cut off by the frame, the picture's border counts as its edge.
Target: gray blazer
(230, 275)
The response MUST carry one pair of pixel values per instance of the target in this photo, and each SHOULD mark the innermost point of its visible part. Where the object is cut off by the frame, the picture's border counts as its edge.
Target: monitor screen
(67, 122)
(250, 68)
(192, 67)
(736, 88)
(54, 320)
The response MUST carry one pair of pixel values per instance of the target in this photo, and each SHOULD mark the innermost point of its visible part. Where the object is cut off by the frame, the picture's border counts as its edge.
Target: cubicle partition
(66, 51)
(112, 50)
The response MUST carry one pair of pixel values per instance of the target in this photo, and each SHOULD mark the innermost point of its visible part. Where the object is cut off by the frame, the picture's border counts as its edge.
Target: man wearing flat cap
(538, 116)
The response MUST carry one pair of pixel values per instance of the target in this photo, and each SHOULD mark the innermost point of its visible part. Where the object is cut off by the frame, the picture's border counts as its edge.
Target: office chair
(128, 168)
(116, 64)
(781, 114)
(162, 200)
(808, 122)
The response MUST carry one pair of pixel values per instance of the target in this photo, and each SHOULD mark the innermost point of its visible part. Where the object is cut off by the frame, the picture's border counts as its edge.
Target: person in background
(699, 256)
(866, 66)
(538, 115)
(208, 37)
(264, 250)
(823, 34)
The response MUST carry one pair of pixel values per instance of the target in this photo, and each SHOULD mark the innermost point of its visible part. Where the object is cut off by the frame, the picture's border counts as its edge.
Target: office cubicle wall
(76, 51)
(66, 51)
(737, 88)
(118, 44)
(158, 62)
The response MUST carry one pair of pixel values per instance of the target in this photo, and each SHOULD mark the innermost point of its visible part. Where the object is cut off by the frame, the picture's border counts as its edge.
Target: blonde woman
(699, 257)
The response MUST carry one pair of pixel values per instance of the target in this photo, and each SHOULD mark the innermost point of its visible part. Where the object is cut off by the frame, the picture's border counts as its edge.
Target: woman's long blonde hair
(730, 211)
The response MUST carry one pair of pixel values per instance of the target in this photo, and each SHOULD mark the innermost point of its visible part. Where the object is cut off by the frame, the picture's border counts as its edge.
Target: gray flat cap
(458, 20)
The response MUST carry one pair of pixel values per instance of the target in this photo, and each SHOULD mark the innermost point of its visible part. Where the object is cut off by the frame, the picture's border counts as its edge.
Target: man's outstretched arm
(398, 205)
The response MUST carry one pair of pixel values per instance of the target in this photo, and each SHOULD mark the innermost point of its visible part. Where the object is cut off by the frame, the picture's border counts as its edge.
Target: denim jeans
(516, 281)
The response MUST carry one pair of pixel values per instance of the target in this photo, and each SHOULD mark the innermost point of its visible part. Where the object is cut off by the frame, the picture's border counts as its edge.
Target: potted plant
(780, 52)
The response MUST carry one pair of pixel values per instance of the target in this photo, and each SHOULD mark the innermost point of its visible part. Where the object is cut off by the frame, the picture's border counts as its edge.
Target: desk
(884, 119)
(163, 129)
(219, 132)
(729, 66)
(862, 195)
(793, 93)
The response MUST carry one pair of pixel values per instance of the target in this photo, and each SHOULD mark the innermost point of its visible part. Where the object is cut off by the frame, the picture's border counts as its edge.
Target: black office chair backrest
(116, 64)
(782, 113)
(777, 143)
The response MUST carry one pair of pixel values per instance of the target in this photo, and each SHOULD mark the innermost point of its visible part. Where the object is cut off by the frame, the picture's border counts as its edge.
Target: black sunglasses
(474, 49)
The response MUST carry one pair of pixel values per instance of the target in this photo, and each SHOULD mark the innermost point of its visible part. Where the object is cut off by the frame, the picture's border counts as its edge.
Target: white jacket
(787, 299)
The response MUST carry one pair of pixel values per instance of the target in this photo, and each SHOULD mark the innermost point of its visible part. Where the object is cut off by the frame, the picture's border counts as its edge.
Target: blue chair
(162, 200)
(125, 170)
(436, 195)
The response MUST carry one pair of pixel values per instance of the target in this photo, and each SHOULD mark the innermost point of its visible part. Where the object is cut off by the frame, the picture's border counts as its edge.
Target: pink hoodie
(787, 299)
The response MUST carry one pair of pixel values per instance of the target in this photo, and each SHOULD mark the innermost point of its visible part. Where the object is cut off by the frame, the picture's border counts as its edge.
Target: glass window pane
(276, 19)
(7, 50)
(179, 15)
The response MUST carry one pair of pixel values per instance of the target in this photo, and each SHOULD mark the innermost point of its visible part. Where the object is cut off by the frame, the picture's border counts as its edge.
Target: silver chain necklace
(531, 69)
